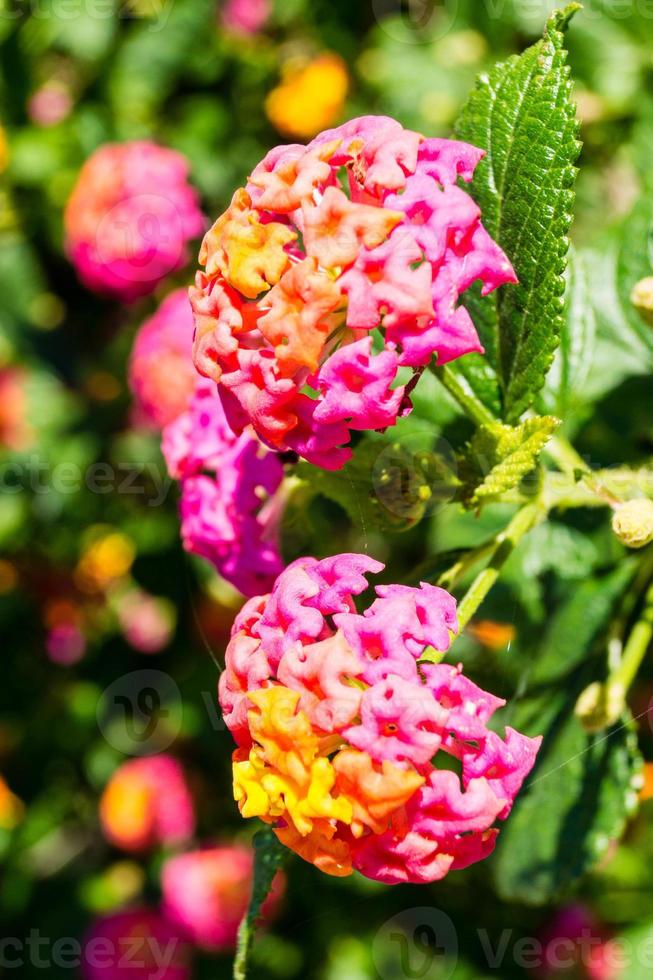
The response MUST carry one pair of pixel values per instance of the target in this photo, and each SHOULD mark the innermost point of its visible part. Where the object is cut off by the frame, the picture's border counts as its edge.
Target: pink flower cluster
(206, 893)
(130, 217)
(340, 726)
(340, 263)
(161, 373)
(147, 802)
(574, 941)
(245, 17)
(229, 514)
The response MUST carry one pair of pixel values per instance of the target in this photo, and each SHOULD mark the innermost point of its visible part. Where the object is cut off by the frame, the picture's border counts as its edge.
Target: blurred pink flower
(206, 893)
(50, 104)
(130, 217)
(135, 944)
(574, 940)
(147, 802)
(162, 376)
(245, 16)
(65, 644)
(15, 431)
(147, 622)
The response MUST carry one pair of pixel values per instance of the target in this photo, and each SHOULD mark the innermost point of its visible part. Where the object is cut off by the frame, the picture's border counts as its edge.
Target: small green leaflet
(499, 456)
(522, 114)
(269, 855)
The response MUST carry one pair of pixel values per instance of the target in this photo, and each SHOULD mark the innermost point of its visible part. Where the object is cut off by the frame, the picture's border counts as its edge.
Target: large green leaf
(575, 802)
(521, 113)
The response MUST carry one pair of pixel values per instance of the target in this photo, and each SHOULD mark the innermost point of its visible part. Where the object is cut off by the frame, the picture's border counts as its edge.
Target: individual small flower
(343, 731)
(65, 644)
(310, 96)
(147, 622)
(16, 433)
(135, 944)
(146, 803)
(206, 893)
(340, 265)
(574, 941)
(130, 217)
(161, 373)
(230, 493)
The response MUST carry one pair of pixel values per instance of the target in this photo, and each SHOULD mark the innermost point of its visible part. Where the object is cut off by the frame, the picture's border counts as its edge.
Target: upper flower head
(206, 893)
(340, 263)
(340, 725)
(130, 217)
(161, 373)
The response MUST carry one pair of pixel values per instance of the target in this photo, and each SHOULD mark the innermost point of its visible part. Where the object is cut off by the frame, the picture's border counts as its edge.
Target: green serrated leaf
(499, 456)
(269, 855)
(576, 801)
(523, 116)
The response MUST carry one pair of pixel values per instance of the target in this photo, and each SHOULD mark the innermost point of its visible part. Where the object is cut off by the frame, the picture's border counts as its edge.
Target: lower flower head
(344, 732)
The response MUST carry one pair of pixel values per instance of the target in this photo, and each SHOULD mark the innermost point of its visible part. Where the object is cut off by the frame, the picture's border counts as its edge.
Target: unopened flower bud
(600, 706)
(633, 522)
(642, 299)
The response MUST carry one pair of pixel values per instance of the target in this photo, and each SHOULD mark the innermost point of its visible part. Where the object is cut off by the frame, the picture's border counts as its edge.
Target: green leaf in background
(499, 456)
(576, 800)
(269, 855)
(566, 382)
(523, 116)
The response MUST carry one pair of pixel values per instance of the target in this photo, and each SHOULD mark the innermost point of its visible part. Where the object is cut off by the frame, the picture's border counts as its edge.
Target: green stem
(269, 855)
(636, 646)
(565, 456)
(505, 544)
(459, 387)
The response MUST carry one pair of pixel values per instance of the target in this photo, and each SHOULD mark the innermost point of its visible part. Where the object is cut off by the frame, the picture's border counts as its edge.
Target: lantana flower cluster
(130, 217)
(345, 735)
(340, 263)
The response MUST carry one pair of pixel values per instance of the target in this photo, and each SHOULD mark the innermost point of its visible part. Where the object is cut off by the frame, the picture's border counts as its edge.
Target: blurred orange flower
(310, 96)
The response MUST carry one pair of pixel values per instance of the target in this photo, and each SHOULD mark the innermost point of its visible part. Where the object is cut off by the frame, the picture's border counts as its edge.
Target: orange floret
(321, 847)
(374, 791)
(285, 187)
(300, 316)
(337, 228)
(249, 254)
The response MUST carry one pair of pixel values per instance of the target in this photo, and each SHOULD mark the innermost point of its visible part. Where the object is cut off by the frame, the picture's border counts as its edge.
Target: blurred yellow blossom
(310, 96)
(106, 559)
